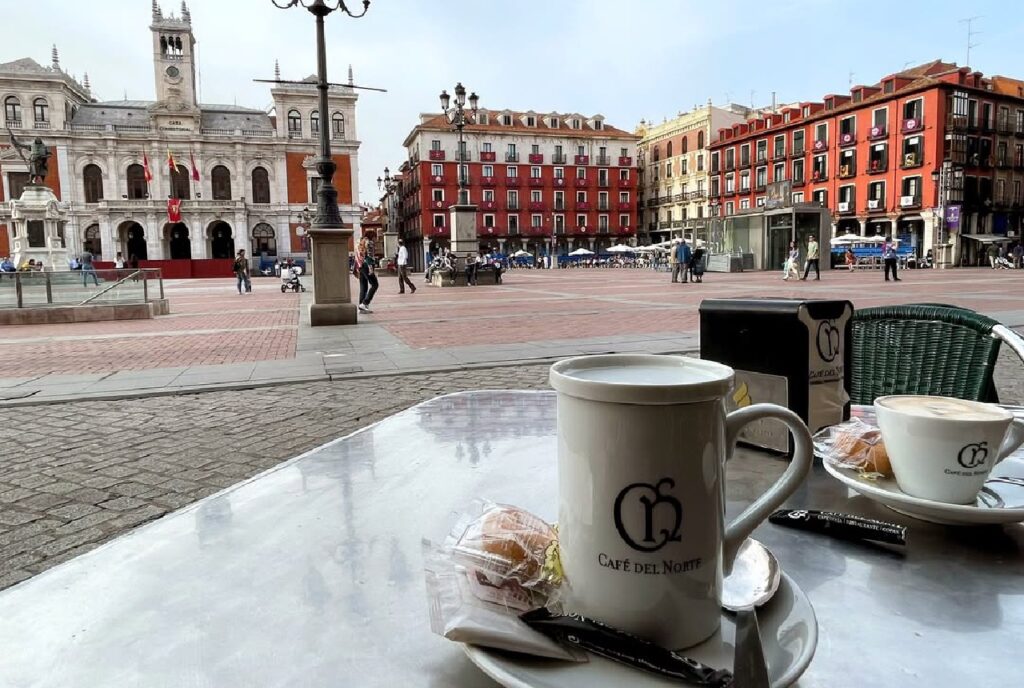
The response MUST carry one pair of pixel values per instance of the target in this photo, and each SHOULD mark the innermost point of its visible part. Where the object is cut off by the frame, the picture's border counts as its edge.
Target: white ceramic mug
(943, 449)
(642, 444)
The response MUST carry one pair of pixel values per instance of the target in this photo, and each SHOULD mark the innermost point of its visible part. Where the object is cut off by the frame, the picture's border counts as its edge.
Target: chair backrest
(922, 349)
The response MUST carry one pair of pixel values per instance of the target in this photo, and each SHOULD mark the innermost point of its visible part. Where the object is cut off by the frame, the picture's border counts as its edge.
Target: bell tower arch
(174, 63)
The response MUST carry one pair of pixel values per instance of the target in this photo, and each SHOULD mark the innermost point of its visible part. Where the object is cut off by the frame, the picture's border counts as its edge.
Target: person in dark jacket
(697, 264)
(683, 256)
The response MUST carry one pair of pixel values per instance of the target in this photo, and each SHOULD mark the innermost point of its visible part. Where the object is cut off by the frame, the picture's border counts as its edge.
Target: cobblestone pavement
(82, 473)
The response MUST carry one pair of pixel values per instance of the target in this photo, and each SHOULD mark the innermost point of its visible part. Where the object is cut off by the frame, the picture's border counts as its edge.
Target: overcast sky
(625, 59)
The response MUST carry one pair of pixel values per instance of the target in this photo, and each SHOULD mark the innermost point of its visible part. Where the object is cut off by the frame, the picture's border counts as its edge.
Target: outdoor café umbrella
(848, 238)
(621, 248)
(581, 252)
(521, 254)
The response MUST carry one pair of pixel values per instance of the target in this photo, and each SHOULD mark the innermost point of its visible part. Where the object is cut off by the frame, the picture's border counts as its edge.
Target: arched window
(41, 109)
(181, 183)
(260, 185)
(668, 150)
(338, 125)
(92, 180)
(686, 145)
(12, 111)
(294, 124)
(700, 139)
(137, 186)
(91, 242)
(263, 240)
(314, 122)
(220, 179)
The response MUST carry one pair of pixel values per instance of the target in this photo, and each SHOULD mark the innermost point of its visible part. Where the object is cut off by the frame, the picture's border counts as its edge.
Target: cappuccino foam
(944, 408)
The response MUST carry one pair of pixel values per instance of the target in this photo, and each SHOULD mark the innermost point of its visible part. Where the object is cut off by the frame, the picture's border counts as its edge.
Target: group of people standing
(791, 267)
(686, 262)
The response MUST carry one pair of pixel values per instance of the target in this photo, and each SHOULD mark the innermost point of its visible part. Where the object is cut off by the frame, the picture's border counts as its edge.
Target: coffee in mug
(642, 445)
(943, 449)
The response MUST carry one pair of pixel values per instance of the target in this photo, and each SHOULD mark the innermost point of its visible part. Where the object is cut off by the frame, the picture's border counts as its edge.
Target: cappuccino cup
(642, 445)
(943, 449)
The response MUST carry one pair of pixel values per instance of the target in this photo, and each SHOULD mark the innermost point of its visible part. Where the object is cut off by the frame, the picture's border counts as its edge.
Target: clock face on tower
(172, 72)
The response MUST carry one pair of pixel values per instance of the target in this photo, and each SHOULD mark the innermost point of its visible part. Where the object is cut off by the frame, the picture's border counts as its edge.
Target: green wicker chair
(928, 349)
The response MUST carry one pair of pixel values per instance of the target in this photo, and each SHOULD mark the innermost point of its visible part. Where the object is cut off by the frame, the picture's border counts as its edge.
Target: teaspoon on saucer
(754, 578)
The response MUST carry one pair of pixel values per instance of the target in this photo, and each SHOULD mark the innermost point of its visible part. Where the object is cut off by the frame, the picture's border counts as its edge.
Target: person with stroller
(697, 264)
(365, 265)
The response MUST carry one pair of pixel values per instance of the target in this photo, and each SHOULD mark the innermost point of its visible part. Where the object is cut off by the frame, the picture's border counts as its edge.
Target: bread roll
(514, 535)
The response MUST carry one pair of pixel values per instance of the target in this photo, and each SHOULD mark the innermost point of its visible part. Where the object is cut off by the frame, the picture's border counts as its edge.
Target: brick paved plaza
(74, 475)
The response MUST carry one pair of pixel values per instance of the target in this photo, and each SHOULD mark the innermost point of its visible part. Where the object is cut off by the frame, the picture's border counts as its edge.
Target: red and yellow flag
(171, 165)
(147, 173)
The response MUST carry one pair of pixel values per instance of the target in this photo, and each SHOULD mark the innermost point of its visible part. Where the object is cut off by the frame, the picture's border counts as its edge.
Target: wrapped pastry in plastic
(854, 444)
(509, 546)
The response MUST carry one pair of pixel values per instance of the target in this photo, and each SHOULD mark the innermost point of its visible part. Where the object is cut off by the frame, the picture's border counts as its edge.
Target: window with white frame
(511, 171)
(581, 220)
(730, 208)
(436, 170)
(581, 196)
(744, 181)
(512, 197)
(602, 223)
(623, 197)
(535, 196)
(435, 144)
(559, 200)
(744, 204)
(581, 172)
(536, 220)
(438, 194)
(559, 173)
(513, 224)
(730, 183)
(489, 220)
(623, 221)
(439, 219)
(488, 195)
(488, 170)
(798, 197)
(487, 147)
(581, 150)
(535, 172)
(779, 172)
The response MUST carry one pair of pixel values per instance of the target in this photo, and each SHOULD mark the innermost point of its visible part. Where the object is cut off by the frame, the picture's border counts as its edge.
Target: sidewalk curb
(32, 400)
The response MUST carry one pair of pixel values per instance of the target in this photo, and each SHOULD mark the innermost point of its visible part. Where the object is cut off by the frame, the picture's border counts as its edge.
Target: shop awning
(987, 238)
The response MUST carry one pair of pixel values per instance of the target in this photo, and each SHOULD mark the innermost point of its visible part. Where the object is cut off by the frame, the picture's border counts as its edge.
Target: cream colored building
(674, 165)
(255, 166)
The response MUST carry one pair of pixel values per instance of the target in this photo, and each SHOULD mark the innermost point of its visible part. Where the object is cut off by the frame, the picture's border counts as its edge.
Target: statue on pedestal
(38, 157)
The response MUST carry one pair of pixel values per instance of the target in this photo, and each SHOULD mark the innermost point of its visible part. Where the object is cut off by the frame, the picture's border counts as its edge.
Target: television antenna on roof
(971, 33)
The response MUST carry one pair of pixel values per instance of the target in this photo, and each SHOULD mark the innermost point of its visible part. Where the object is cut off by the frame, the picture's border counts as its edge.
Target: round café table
(310, 574)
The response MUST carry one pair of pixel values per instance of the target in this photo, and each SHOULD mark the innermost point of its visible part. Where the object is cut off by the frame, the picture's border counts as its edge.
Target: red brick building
(874, 158)
(543, 183)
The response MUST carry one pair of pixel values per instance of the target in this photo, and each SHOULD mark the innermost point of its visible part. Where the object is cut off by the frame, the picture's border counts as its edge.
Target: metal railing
(34, 289)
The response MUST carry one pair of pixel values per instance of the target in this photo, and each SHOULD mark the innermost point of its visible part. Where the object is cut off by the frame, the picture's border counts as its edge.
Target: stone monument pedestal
(464, 240)
(37, 228)
(332, 298)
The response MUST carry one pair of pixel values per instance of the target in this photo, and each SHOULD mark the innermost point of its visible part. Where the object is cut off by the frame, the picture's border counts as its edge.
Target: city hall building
(179, 184)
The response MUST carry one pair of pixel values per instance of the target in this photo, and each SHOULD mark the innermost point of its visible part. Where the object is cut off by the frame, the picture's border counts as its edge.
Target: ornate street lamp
(305, 220)
(332, 301)
(456, 116)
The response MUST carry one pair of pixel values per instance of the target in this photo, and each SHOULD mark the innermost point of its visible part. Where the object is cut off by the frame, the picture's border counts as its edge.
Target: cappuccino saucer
(789, 632)
(1001, 500)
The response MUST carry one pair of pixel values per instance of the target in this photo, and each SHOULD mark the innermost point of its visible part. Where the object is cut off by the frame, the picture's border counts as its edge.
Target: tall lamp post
(332, 300)
(389, 185)
(941, 242)
(463, 213)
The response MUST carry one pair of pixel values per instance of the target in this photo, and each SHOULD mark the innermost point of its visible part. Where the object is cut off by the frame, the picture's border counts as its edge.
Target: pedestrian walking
(673, 261)
(1018, 255)
(791, 267)
(241, 268)
(402, 261)
(889, 257)
(812, 259)
(697, 265)
(471, 268)
(683, 257)
(87, 268)
(119, 261)
(365, 269)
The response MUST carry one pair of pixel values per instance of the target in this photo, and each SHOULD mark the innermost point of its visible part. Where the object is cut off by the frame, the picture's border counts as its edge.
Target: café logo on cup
(973, 455)
(828, 340)
(652, 499)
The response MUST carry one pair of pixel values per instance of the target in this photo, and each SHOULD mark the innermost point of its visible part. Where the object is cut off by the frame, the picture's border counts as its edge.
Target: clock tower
(175, 69)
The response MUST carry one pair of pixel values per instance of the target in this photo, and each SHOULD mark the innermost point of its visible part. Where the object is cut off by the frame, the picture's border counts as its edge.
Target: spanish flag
(171, 165)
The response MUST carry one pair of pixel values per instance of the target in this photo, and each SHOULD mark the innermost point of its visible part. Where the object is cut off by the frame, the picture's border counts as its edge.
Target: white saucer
(789, 631)
(885, 491)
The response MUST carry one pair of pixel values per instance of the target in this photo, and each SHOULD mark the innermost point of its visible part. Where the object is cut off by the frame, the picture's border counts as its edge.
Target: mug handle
(803, 456)
(1014, 438)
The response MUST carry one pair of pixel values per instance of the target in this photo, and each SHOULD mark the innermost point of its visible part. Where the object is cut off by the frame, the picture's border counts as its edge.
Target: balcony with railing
(581, 160)
(42, 124)
(912, 160)
(877, 133)
(536, 205)
(536, 158)
(779, 154)
(438, 231)
(536, 181)
(462, 157)
(559, 205)
(433, 154)
(846, 208)
(513, 205)
(488, 205)
(511, 181)
(488, 181)
(913, 201)
(744, 162)
(626, 229)
(488, 156)
(511, 157)
(558, 182)
(798, 151)
(491, 230)
(956, 123)
(1004, 126)
(604, 160)
(437, 180)
(583, 205)
(820, 145)
(762, 157)
(603, 182)
(581, 181)
(847, 139)
(625, 161)
(603, 206)
(875, 205)
(437, 205)
(558, 159)
(911, 124)
(624, 206)
(760, 187)
(625, 182)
